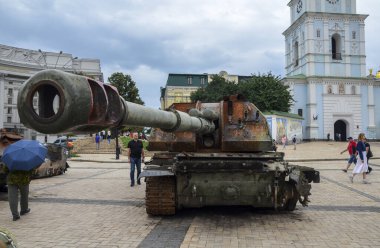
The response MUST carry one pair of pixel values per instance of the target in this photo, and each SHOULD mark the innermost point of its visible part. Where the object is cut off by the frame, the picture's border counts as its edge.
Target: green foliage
(265, 91)
(215, 90)
(126, 87)
(125, 140)
(74, 155)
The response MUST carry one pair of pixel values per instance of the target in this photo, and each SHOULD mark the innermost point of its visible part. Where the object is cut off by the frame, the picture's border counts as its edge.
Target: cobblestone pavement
(92, 205)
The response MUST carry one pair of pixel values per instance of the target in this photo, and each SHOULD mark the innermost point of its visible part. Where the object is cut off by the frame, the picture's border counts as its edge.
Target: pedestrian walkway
(308, 151)
(92, 205)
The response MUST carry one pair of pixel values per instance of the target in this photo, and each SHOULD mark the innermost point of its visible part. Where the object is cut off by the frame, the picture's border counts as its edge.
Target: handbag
(370, 154)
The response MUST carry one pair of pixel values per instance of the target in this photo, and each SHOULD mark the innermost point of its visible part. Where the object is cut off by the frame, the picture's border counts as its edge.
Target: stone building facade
(179, 87)
(18, 64)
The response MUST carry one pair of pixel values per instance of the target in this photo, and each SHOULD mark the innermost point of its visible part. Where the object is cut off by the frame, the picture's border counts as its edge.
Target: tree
(265, 91)
(215, 90)
(126, 87)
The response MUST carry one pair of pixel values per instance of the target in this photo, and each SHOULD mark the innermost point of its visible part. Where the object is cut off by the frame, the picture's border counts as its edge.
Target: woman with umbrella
(20, 159)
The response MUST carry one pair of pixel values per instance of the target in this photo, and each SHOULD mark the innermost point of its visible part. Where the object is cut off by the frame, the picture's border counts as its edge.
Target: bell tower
(325, 38)
(325, 62)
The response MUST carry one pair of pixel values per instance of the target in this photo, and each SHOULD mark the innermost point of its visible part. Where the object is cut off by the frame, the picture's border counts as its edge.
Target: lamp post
(44, 56)
(56, 62)
(70, 60)
(116, 132)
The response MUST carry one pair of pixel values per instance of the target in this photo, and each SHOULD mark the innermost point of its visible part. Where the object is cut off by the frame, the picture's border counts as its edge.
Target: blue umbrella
(24, 155)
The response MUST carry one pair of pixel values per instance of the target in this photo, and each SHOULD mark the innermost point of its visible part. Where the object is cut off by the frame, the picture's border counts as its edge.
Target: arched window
(336, 47)
(353, 90)
(296, 59)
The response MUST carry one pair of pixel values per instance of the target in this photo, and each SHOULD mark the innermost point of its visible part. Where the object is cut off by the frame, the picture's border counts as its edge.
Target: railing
(337, 56)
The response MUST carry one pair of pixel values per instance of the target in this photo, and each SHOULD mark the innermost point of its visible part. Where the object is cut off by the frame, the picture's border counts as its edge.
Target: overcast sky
(150, 39)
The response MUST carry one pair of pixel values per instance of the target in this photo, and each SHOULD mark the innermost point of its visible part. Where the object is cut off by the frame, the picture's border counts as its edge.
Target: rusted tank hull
(199, 180)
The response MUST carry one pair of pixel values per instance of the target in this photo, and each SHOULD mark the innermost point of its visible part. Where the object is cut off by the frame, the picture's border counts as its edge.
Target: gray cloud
(149, 39)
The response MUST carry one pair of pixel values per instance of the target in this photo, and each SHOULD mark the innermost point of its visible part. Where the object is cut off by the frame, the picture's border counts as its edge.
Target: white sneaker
(351, 179)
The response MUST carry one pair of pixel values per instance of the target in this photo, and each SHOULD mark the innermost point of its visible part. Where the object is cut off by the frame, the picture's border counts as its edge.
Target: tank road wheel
(291, 204)
(160, 195)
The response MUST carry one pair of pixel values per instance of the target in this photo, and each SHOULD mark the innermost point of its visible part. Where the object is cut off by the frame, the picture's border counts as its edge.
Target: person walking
(18, 181)
(109, 137)
(361, 166)
(283, 140)
(369, 154)
(274, 145)
(135, 155)
(351, 148)
(97, 141)
(294, 140)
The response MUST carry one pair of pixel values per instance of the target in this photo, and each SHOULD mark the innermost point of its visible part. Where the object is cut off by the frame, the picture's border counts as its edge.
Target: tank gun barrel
(53, 101)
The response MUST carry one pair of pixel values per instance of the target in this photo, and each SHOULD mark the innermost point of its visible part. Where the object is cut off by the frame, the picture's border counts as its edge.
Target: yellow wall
(176, 95)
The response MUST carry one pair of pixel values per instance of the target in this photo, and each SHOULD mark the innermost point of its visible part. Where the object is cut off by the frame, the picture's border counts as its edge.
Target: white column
(347, 48)
(309, 47)
(326, 47)
(371, 113)
(311, 124)
(2, 99)
(291, 91)
(362, 50)
(353, 6)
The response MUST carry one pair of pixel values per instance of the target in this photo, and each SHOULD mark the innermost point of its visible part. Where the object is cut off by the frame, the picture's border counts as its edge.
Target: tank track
(160, 195)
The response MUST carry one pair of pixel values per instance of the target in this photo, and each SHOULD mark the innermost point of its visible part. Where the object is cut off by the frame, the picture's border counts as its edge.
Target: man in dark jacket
(135, 155)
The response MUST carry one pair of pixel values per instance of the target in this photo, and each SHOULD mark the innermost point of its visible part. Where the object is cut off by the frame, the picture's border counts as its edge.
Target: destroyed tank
(6, 138)
(206, 154)
(55, 163)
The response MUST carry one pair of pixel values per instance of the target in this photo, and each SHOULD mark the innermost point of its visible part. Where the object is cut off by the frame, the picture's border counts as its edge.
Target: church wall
(354, 26)
(342, 107)
(355, 70)
(377, 109)
(318, 24)
(319, 90)
(349, 6)
(318, 6)
(364, 108)
(337, 70)
(319, 65)
(300, 90)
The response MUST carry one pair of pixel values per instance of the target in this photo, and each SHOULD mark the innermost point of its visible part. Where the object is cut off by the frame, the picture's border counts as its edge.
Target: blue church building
(326, 70)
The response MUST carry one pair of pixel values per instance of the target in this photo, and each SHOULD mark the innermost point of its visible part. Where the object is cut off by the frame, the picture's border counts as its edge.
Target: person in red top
(351, 148)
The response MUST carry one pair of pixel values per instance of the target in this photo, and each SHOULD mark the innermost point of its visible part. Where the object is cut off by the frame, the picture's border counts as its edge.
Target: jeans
(13, 198)
(352, 159)
(135, 162)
